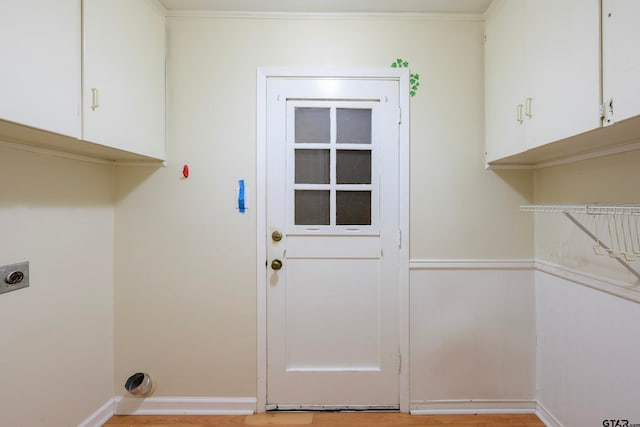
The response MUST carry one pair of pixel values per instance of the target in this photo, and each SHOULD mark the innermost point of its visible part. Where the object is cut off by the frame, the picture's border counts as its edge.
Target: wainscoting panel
(588, 351)
(472, 335)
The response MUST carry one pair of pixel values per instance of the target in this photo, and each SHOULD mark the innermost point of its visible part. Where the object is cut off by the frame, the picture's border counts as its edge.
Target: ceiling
(332, 6)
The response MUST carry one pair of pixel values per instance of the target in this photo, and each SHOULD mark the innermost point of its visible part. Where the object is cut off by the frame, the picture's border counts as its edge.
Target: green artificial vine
(413, 77)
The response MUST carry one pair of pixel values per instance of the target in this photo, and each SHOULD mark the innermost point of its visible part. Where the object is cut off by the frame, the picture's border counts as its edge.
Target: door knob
(276, 236)
(276, 264)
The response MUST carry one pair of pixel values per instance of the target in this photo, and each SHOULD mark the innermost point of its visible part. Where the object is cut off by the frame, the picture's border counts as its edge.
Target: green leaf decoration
(413, 78)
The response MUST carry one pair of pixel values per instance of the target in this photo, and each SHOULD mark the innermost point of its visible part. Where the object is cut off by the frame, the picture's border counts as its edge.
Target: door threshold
(277, 407)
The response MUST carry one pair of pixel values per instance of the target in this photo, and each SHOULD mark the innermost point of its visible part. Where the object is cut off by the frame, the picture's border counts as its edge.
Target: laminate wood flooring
(322, 419)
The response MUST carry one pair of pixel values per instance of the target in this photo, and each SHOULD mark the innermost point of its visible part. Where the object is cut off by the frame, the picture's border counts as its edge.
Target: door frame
(402, 76)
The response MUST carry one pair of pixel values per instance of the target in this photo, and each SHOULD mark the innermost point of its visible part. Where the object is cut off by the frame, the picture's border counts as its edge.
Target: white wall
(56, 339)
(588, 352)
(185, 259)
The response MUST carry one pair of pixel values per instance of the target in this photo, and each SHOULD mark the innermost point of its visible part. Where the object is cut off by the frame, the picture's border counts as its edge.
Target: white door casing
(333, 322)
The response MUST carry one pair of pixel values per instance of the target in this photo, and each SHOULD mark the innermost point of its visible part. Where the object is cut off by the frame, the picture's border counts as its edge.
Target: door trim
(402, 76)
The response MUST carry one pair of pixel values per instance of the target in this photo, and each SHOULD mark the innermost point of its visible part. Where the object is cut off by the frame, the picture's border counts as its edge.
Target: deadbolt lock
(276, 264)
(276, 236)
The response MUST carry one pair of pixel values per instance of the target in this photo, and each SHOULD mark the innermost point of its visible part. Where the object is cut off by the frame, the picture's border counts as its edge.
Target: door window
(331, 168)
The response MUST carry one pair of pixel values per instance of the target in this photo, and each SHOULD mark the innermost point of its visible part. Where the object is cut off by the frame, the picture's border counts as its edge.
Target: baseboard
(480, 406)
(484, 406)
(99, 417)
(185, 405)
(546, 417)
(246, 406)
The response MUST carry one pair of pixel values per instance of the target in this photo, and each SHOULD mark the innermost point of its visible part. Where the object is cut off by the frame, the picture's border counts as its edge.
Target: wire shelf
(614, 228)
(584, 209)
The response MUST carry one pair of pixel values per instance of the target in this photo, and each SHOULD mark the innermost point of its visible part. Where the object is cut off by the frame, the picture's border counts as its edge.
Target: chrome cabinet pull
(95, 102)
(527, 109)
(519, 114)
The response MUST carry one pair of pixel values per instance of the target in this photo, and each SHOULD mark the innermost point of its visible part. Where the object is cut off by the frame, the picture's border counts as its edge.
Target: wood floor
(322, 419)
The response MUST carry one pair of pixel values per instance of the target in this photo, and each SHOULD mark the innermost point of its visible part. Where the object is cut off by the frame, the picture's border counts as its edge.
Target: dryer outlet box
(14, 277)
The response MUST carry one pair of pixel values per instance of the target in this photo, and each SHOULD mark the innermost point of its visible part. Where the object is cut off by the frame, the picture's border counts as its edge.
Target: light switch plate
(16, 271)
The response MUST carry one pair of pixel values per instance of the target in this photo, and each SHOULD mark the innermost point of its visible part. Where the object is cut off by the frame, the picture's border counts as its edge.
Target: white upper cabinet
(562, 96)
(504, 80)
(542, 73)
(621, 59)
(86, 77)
(124, 75)
(40, 71)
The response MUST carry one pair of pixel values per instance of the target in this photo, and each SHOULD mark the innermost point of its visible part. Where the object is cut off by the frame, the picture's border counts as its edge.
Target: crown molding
(324, 15)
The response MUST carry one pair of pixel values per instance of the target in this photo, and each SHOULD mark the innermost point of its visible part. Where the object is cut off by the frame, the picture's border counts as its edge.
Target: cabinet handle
(519, 114)
(527, 109)
(95, 102)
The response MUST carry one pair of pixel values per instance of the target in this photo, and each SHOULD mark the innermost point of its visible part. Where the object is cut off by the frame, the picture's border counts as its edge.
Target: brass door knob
(276, 264)
(276, 236)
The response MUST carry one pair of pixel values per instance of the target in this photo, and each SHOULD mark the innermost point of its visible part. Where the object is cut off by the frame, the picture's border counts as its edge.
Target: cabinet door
(124, 75)
(504, 80)
(40, 71)
(562, 95)
(621, 59)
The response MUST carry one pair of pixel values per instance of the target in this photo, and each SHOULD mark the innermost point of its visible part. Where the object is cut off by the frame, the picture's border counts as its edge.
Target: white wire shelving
(614, 228)
(584, 209)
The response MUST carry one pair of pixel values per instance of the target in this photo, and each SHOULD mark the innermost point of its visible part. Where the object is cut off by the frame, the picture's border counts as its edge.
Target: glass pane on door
(353, 126)
(312, 166)
(353, 167)
(353, 208)
(312, 207)
(312, 125)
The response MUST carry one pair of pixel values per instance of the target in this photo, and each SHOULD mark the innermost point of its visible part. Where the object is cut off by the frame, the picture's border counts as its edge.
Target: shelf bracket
(599, 242)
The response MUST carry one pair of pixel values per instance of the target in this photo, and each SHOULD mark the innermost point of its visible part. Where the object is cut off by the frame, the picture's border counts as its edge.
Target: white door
(332, 244)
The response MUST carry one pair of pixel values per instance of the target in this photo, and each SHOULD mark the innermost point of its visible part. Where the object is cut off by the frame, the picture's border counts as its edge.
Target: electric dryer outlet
(14, 277)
